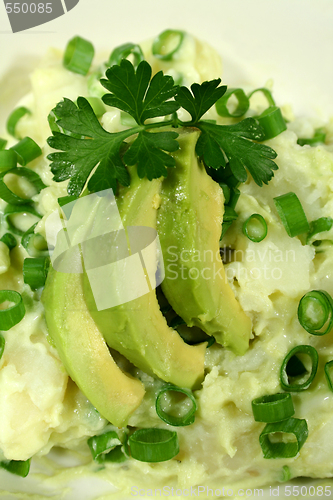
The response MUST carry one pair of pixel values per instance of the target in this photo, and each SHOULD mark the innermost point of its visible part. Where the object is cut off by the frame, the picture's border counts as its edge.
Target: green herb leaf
(137, 94)
(80, 155)
(202, 98)
(148, 152)
(235, 142)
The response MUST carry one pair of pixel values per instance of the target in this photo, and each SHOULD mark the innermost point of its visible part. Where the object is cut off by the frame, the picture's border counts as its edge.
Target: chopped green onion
(3, 143)
(153, 445)
(327, 369)
(286, 474)
(8, 160)
(273, 408)
(18, 467)
(279, 448)
(97, 105)
(14, 118)
(315, 312)
(124, 51)
(2, 345)
(291, 214)
(167, 44)
(101, 446)
(9, 240)
(243, 103)
(34, 243)
(78, 55)
(318, 138)
(272, 122)
(255, 228)
(11, 210)
(319, 226)
(167, 416)
(7, 195)
(35, 271)
(267, 93)
(12, 315)
(27, 150)
(287, 380)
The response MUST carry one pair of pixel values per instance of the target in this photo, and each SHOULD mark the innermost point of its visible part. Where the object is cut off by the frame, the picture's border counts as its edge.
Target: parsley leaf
(147, 151)
(202, 98)
(79, 155)
(137, 94)
(234, 142)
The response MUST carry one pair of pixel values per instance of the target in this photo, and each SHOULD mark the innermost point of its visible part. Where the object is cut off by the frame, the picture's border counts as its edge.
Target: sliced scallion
(3, 143)
(277, 448)
(12, 315)
(272, 122)
(255, 228)
(267, 93)
(78, 55)
(153, 445)
(9, 240)
(315, 312)
(124, 51)
(292, 383)
(273, 408)
(13, 210)
(243, 103)
(101, 446)
(328, 369)
(8, 160)
(318, 138)
(14, 118)
(34, 243)
(26, 150)
(167, 44)
(167, 415)
(17, 467)
(319, 226)
(2, 345)
(35, 271)
(9, 196)
(291, 214)
(286, 474)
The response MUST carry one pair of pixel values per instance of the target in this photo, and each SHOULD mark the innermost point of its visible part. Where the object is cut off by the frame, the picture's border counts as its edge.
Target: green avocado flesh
(137, 329)
(84, 352)
(189, 228)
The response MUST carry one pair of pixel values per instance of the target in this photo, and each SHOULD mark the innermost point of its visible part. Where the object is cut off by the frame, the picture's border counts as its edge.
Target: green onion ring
(327, 370)
(8, 160)
(125, 50)
(78, 55)
(17, 467)
(14, 118)
(255, 228)
(35, 271)
(318, 138)
(242, 106)
(7, 195)
(295, 426)
(12, 315)
(2, 345)
(153, 445)
(9, 240)
(315, 312)
(17, 209)
(312, 353)
(186, 419)
(162, 39)
(101, 446)
(272, 122)
(291, 214)
(267, 93)
(26, 150)
(319, 226)
(30, 243)
(273, 408)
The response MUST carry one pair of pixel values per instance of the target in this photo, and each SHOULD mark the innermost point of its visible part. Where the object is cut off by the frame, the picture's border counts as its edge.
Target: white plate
(289, 41)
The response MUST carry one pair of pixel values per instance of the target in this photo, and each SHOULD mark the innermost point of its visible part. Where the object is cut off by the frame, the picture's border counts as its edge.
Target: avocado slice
(137, 329)
(189, 228)
(84, 352)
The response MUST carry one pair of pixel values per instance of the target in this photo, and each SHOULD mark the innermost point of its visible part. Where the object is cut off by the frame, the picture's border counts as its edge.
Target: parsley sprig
(87, 152)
